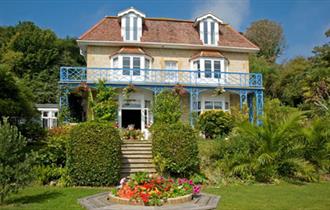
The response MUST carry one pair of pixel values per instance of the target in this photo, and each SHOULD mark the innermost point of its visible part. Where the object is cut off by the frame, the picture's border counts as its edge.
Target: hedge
(93, 154)
(215, 123)
(175, 149)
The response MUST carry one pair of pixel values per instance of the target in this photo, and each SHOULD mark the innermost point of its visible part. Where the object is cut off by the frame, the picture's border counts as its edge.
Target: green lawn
(254, 197)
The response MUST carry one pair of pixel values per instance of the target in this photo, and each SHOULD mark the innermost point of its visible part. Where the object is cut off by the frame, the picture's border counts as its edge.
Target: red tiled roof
(207, 53)
(165, 31)
(130, 50)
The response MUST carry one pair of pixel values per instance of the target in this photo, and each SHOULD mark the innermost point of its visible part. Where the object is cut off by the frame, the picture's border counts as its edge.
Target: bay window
(131, 64)
(209, 67)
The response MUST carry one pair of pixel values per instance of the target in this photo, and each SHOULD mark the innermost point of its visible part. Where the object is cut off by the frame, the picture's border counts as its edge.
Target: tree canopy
(269, 36)
(34, 55)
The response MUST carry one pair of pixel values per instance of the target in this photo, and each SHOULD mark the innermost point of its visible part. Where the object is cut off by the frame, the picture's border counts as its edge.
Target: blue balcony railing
(160, 77)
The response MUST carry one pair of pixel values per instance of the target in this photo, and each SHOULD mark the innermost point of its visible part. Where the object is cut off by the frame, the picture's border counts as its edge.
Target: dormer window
(131, 24)
(208, 29)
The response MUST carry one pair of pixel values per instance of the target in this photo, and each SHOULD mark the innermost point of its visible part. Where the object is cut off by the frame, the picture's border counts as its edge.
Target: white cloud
(230, 11)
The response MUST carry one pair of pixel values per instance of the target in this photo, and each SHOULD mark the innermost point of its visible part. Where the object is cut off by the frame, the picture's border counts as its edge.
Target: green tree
(15, 162)
(35, 56)
(15, 97)
(269, 36)
(167, 107)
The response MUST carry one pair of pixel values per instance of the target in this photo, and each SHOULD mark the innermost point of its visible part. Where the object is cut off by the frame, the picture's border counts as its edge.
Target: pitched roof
(207, 53)
(165, 30)
(130, 50)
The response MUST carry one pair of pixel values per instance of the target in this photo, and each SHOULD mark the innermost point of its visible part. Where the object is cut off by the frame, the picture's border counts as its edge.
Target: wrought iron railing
(160, 77)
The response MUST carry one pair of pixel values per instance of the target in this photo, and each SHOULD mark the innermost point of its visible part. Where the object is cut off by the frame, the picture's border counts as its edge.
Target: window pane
(127, 29)
(197, 67)
(217, 104)
(212, 33)
(136, 65)
(45, 123)
(208, 69)
(115, 63)
(45, 114)
(199, 105)
(226, 106)
(208, 105)
(205, 32)
(135, 28)
(147, 63)
(217, 69)
(126, 65)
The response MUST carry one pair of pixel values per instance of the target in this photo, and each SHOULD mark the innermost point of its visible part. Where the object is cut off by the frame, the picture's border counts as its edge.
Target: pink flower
(196, 189)
(191, 182)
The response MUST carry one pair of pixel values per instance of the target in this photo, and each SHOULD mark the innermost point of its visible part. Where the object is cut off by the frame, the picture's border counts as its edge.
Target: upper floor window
(131, 24)
(209, 67)
(132, 64)
(208, 29)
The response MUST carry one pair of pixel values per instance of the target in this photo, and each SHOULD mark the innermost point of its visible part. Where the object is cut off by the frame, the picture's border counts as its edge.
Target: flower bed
(142, 189)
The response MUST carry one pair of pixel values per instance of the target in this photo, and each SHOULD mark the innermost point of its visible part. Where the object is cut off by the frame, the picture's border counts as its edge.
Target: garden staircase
(136, 157)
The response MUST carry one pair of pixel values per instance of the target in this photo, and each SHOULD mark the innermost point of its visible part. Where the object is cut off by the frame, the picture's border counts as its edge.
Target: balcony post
(242, 98)
(251, 108)
(259, 105)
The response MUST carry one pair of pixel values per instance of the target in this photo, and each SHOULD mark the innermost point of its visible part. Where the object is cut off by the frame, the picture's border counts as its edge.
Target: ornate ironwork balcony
(161, 77)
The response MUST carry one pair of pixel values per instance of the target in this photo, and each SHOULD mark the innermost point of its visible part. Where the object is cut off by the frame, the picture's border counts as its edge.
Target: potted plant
(127, 91)
(219, 91)
(180, 90)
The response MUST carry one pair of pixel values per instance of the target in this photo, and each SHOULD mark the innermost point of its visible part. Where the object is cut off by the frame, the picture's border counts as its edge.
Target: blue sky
(304, 21)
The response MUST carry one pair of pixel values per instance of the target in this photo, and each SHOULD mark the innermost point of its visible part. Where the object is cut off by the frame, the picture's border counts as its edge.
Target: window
(217, 69)
(208, 68)
(217, 105)
(208, 33)
(135, 30)
(127, 29)
(48, 118)
(206, 41)
(212, 33)
(115, 62)
(227, 105)
(126, 65)
(197, 67)
(208, 105)
(213, 105)
(131, 28)
(147, 63)
(136, 66)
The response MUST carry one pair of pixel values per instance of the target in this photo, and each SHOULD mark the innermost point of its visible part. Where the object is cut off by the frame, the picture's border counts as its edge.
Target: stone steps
(136, 157)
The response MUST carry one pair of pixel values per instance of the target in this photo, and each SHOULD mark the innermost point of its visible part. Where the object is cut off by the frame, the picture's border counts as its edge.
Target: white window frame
(207, 23)
(223, 99)
(120, 60)
(130, 17)
(51, 117)
(223, 67)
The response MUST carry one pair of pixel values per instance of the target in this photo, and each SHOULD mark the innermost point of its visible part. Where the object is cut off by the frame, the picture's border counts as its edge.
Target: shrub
(270, 151)
(15, 162)
(105, 105)
(215, 123)
(317, 137)
(167, 107)
(175, 149)
(46, 174)
(53, 152)
(93, 154)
